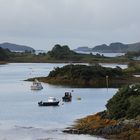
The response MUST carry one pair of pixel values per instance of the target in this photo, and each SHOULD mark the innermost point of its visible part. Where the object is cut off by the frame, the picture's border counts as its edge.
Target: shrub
(125, 103)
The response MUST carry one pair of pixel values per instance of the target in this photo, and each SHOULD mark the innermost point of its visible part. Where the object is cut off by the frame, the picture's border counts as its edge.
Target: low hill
(134, 47)
(63, 52)
(16, 48)
(112, 48)
(116, 47)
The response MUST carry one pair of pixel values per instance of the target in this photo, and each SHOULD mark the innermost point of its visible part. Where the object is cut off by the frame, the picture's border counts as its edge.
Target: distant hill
(134, 47)
(112, 48)
(116, 47)
(16, 48)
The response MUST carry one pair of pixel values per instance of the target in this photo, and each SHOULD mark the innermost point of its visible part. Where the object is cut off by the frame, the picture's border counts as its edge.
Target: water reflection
(22, 119)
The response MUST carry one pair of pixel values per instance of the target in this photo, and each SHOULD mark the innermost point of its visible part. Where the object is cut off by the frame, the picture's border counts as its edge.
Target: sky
(43, 23)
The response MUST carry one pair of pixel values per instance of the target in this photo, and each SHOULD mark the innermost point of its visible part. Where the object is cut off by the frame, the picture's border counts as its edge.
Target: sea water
(22, 119)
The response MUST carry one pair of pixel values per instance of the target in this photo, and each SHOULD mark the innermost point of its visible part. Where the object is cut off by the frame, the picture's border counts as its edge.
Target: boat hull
(36, 88)
(48, 103)
(66, 99)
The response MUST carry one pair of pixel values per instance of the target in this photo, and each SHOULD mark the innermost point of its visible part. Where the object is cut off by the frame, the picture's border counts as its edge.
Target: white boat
(36, 85)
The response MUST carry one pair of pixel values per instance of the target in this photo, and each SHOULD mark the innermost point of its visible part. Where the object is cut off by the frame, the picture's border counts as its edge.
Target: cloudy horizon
(42, 24)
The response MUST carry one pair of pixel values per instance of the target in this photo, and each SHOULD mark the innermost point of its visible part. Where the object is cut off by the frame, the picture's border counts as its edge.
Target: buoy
(78, 98)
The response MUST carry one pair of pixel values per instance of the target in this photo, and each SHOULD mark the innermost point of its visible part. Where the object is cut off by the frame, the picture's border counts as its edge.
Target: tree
(61, 52)
(4, 54)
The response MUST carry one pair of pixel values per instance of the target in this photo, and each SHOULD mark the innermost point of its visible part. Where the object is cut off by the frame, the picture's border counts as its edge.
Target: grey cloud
(42, 23)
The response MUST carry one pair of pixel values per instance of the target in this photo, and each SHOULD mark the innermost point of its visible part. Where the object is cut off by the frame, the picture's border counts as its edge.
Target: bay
(22, 119)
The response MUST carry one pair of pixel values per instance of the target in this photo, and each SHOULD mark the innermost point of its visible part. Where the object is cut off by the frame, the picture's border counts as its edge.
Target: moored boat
(50, 102)
(67, 97)
(36, 85)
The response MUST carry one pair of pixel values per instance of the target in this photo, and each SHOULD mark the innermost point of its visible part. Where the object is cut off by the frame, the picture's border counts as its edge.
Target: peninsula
(120, 121)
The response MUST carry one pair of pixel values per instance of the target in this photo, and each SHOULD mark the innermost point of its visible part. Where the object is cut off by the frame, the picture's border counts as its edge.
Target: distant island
(16, 48)
(58, 54)
(112, 48)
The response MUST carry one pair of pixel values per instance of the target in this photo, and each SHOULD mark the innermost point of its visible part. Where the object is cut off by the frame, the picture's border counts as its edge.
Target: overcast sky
(43, 23)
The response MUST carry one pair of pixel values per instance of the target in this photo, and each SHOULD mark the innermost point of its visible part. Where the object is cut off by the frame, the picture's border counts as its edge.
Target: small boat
(67, 97)
(50, 102)
(36, 85)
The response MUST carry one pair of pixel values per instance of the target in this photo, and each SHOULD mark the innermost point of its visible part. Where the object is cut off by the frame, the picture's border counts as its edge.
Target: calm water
(22, 119)
(105, 54)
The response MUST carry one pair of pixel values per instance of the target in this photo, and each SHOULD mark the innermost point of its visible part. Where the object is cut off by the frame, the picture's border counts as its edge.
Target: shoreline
(42, 59)
(96, 61)
(97, 83)
(97, 125)
(3, 62)
(120, 120)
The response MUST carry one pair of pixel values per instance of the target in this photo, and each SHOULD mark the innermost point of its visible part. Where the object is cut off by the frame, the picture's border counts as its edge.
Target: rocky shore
(107, 128)
(120, 120)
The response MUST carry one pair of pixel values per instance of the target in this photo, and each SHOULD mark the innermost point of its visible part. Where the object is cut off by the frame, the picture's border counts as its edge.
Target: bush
(134, 109)
(125, 103)
(4, 54)
(86, 73)
(61, 52)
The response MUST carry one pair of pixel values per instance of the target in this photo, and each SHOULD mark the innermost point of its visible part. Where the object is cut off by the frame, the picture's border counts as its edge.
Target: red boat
(67, 97)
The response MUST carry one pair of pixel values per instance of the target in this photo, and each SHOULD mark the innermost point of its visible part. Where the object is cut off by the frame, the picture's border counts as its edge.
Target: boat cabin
(50, 102)
(67, 97)
(36, 85)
